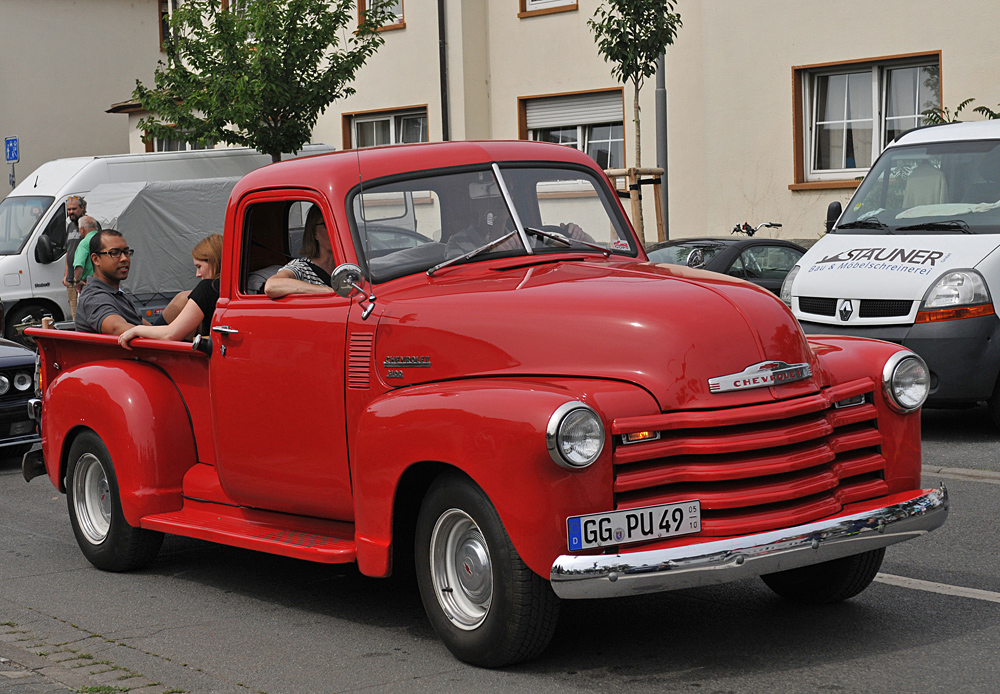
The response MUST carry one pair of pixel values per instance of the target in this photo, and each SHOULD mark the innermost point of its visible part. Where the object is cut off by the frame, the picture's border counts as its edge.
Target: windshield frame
(879, 176)
(46, 207)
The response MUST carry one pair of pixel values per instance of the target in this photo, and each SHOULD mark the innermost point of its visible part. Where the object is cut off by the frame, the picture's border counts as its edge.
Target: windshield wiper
(566, 241)
(870, 223)
(473, 253)
(946, 225)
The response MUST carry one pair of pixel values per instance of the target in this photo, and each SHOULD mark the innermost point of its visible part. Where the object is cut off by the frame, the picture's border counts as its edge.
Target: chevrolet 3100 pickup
(501, 394)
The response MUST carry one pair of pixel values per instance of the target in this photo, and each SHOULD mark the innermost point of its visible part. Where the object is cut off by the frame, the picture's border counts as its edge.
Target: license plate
(633, 525)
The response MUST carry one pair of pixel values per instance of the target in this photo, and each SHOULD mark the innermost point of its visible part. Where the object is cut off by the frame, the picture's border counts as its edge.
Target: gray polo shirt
(98, 300)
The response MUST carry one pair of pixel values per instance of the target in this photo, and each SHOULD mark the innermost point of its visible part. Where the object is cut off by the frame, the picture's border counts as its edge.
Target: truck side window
(273, 237)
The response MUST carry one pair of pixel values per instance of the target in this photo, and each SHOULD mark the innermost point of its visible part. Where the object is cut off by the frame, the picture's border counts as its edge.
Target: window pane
(859, 96)
(930, 87)
(897, 126)
(831, 92)
(373, 133)
(606, 145)
(560, 136)
(829, 147)
(412, 128)
(858, 150)
(901, 92)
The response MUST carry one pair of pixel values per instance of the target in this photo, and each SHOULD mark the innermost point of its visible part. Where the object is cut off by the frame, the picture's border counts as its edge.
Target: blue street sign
(12, 150)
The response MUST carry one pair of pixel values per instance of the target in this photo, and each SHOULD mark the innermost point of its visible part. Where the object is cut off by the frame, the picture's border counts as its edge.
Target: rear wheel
(95, 510)
(829, 582)
(485, 604)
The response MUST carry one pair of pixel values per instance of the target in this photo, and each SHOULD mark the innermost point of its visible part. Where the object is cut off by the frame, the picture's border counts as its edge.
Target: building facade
(62, 62)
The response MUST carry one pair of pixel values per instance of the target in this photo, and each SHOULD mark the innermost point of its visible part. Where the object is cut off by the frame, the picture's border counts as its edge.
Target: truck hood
(668, 329)
(880, 266)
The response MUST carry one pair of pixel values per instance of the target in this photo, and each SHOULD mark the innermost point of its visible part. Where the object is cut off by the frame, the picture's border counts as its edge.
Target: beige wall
(494, 57)
(730, 94)
(62, 64)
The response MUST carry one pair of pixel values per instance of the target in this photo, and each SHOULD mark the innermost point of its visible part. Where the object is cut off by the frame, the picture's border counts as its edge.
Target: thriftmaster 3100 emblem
(762, 375)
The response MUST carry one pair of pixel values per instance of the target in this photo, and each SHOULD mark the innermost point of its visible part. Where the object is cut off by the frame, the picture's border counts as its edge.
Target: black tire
(95, 510)
(499, 611)
(829, 582)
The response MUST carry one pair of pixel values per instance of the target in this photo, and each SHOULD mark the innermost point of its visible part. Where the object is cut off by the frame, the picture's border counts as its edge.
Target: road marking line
(942, 588)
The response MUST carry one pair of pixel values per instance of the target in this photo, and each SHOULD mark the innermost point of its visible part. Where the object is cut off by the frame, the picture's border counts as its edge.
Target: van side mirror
(43, 250)
(833, 212)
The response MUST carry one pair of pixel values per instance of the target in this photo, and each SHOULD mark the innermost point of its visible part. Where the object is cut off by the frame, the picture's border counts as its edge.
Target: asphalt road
(207, 618)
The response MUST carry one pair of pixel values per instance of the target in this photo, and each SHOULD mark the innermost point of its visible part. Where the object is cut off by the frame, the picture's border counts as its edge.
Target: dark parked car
(764, 262)
(17, 386)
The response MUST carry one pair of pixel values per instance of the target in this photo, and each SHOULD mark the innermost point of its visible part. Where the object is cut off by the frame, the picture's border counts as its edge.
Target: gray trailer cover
(162, 221)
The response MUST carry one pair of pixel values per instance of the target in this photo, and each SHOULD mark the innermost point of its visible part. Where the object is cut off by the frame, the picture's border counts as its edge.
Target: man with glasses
(103, 306)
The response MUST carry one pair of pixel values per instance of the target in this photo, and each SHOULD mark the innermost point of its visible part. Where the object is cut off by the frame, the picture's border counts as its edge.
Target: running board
(311, 539)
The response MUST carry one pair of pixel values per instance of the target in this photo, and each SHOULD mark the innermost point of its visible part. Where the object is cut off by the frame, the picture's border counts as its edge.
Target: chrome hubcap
(461, 569)
(92, 498)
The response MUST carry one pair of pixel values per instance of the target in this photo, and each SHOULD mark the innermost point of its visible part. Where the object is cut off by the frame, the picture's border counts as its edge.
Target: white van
(32, 276)
(915, 259)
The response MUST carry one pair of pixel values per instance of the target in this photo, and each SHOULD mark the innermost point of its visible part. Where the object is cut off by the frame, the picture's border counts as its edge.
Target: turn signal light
(955, 313)
(638, 436)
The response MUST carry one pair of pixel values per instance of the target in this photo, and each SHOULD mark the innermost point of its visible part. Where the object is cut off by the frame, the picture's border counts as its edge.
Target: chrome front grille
(759, 467)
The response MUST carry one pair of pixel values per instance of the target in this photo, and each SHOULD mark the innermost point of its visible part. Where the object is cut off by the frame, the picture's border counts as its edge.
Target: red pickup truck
(501, 394)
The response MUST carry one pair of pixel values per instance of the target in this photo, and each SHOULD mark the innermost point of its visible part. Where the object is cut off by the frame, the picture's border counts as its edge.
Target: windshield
(677, 254)
(408, 226)
(18, 216)
(941, 188)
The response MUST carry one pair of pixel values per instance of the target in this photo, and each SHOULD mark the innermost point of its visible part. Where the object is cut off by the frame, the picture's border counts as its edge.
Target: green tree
(936, 116)
(257, 73)
(631, 35)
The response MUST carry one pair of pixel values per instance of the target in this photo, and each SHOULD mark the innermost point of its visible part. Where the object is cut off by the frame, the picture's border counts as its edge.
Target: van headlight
(574, 436)
(786, 286)
(957, 288)
(906, 382)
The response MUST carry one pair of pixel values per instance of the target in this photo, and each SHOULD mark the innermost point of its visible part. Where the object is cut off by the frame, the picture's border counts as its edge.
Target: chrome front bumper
(721, 561)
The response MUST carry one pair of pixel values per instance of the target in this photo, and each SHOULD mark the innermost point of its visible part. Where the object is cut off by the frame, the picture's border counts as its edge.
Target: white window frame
(188, 146)
(879, 80)
(583, 137)
(394, 118)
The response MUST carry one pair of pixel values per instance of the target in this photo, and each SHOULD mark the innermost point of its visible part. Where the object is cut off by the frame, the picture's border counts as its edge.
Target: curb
(963, 473)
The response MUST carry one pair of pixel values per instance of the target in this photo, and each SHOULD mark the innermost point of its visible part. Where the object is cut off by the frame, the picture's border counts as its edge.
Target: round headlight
(4, 385)
(906, 381)
(574, 436)
(22, 380)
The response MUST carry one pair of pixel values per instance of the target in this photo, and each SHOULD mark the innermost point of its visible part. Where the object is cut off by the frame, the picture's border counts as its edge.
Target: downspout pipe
(443, 71)
(661, 137)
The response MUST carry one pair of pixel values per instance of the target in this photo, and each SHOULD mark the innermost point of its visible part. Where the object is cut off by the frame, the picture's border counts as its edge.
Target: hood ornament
(762, 375)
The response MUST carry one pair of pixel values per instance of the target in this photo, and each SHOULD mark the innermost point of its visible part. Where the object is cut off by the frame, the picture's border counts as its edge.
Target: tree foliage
(936, 116)
(257, 73)
(631, 35)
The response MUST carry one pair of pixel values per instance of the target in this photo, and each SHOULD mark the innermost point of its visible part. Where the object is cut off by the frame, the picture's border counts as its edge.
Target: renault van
(33, 216)
(914, 260)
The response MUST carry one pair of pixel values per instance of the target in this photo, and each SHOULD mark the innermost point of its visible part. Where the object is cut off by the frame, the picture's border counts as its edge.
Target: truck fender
(139, 414)
(493, 430)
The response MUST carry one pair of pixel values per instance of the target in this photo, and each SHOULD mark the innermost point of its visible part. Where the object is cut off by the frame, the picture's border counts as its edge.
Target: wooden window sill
(547, 10)
(825, 185)
(391, 27)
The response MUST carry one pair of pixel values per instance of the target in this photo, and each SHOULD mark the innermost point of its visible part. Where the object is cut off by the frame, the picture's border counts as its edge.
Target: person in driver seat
(310, 274)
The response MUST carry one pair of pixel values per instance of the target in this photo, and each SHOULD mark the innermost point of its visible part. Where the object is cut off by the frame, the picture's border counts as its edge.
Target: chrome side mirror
(696, 258)
(345, 279)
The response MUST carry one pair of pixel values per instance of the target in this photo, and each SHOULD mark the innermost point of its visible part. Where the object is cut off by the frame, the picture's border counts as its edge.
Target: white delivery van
(915, 259)
(33, 216)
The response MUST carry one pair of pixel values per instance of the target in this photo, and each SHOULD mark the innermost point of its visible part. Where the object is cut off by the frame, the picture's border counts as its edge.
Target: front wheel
(95, 510)
(485, 604)
(829, 582)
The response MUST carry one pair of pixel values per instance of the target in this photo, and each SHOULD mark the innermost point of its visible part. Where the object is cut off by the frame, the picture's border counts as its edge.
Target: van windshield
(938, 188)
(18, 216)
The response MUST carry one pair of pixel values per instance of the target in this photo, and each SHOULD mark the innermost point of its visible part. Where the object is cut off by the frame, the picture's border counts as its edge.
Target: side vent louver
(359, 361)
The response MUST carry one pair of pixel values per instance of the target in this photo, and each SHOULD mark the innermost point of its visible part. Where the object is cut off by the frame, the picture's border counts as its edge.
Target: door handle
(224, 329)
